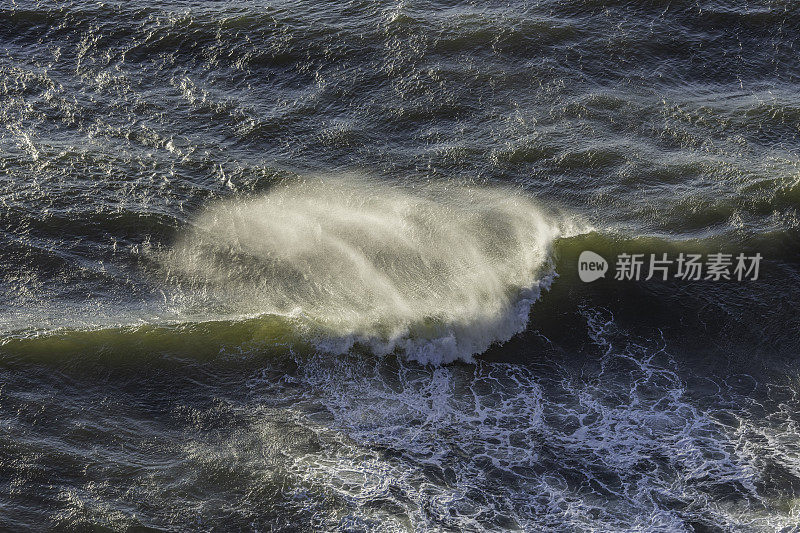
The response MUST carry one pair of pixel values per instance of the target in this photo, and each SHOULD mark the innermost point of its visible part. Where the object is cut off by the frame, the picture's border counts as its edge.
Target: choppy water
(281, 266)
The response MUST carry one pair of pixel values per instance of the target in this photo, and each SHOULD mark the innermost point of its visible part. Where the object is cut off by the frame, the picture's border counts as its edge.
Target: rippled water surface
(313, 266)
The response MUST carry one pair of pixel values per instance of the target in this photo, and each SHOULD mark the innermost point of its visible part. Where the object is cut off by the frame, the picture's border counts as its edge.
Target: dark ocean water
(313, 266)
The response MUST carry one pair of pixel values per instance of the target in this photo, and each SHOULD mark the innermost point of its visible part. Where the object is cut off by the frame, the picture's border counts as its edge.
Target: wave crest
(439, 272)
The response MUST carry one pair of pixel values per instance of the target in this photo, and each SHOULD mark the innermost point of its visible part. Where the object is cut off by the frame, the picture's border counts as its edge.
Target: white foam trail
(437, 271)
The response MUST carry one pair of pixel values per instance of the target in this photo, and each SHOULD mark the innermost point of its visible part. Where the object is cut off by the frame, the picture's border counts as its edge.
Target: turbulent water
(313, 266)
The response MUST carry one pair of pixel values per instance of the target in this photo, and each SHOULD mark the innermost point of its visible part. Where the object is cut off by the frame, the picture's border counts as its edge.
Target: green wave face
(437, 272)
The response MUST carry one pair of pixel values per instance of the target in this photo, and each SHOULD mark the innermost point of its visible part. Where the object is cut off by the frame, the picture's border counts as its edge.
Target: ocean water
(312, 266)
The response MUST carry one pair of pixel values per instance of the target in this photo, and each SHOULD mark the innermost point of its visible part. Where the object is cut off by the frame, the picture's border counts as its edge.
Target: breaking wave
(439, 272)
